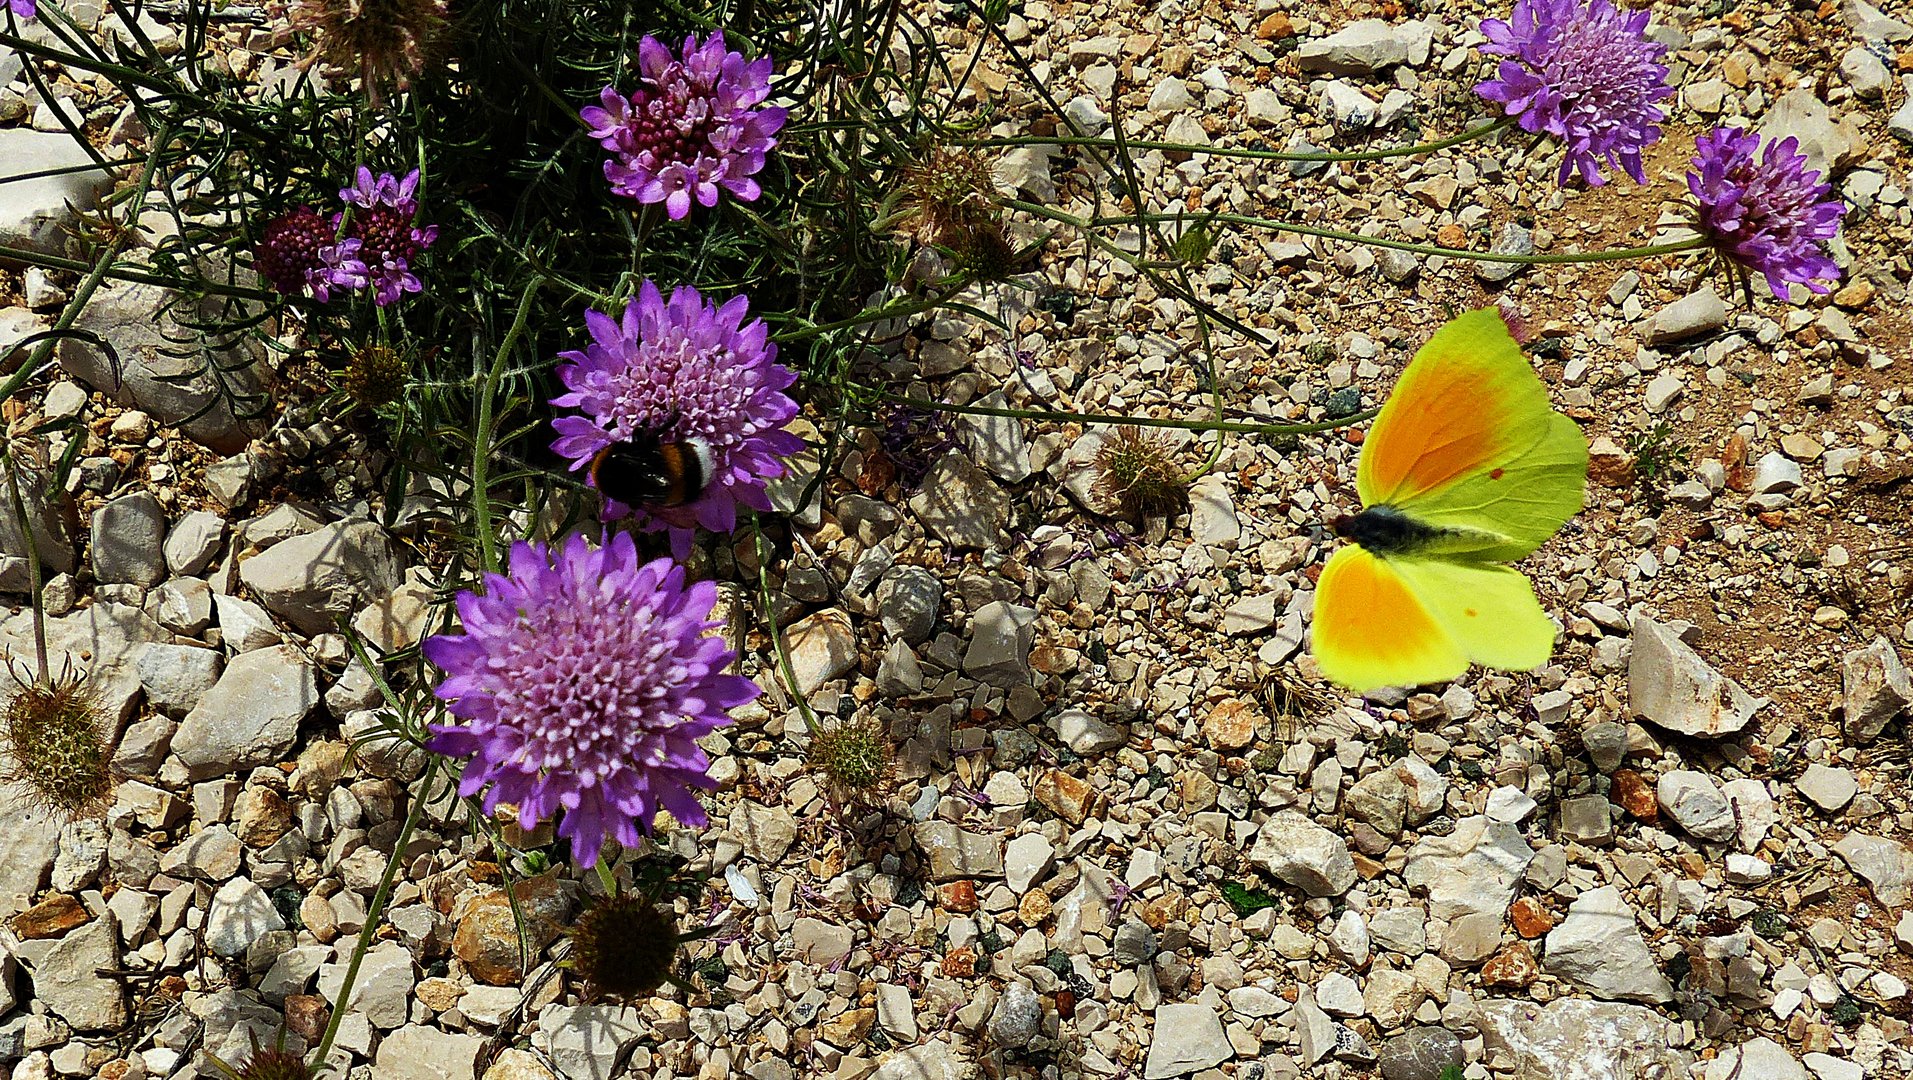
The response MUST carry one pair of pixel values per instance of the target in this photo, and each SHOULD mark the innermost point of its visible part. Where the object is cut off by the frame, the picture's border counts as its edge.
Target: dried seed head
(624, 948)
(383, 42)
(1136, 471)
(374, 376)
(856, 757)
(55, 737)
(950, 195)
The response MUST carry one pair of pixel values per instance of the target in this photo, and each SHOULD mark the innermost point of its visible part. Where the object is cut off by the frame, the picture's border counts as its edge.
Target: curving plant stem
(1240, 426)
(1478, 132)
(34, 581)
(1648, 251)
(785, 670)
(377, 908)
(487, 422)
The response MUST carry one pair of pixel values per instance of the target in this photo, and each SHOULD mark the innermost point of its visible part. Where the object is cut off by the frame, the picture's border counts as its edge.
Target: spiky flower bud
(985, 253)
(56, 741)
(856, 757)
(1136, 472)
(374, 376)
(623, 948)
(268, 1063)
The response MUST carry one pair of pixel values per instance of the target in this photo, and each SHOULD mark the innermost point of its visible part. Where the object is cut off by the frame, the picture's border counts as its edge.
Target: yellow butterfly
(1467, 468)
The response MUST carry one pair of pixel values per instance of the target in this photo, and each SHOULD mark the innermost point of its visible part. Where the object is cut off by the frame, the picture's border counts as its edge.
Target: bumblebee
(646, 470)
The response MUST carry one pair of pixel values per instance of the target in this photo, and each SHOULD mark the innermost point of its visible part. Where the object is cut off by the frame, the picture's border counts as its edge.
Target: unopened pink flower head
(1585, 73)
(384, 209)
(676, 371)
(1767, 212)
(691, 128)
(304, 254)
(301, 254)
(582, 682)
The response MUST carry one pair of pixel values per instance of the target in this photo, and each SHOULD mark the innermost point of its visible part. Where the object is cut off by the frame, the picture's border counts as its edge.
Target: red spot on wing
(1496, 474)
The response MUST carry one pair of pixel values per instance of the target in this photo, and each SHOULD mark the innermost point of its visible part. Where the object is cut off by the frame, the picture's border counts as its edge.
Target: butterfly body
(1466, 469)
(1385, 530)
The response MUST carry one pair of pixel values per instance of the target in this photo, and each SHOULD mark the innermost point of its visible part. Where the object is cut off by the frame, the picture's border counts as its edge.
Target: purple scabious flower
(26, 9)
(383, 211)
(690, 128)
(1769, 214)
(583, 678)
(1585, 73)
(301, 254)
(682, 370)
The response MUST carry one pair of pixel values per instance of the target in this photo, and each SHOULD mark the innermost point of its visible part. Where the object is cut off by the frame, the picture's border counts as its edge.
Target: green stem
(119, 73)
(1242, 151)
(32, 545)
(66, 170)
(83, 293)
(372, 912)
(121, 273)
(1556, 258)
(482, 440)
(896, 310)
(1057, 416)
(788, 672)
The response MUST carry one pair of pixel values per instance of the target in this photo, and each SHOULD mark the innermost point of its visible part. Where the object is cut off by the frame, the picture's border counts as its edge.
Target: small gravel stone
(1085, 734)
(1598, 948)
(128, 538)
(1829, 789)
(240, 914)
(1668, 683)
(67, 980)
(1421, 1053)
(1366, 46)
(251, 716)
(1697, 313)
(908, 599)
(961, 504)
(1696, 804)
(1294, 849)
(1875, 688)
(332, 573)
(1017, 1018)
(1001, 634)
(1188, 1037)
(822, 647)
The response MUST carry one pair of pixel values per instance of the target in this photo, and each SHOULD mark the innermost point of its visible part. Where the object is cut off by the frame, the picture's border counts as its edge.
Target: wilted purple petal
(1767, 211)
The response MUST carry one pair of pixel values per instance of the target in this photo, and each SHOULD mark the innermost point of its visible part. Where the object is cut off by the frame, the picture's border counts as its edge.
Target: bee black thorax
(1384, 530)
(649, 472)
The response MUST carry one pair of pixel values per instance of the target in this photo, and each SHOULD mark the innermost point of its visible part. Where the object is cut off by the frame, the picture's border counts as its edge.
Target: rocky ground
(1133, 833)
